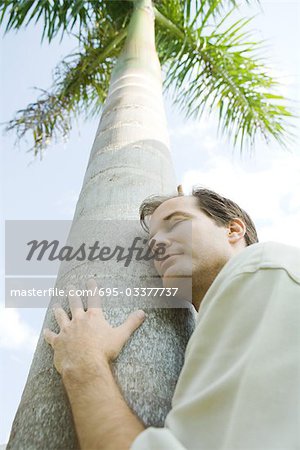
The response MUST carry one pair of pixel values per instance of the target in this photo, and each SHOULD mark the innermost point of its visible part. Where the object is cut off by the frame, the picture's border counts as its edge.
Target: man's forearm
(102, 418)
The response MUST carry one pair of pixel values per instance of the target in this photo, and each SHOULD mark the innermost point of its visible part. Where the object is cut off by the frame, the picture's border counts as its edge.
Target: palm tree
(130, 160)
(208, 58)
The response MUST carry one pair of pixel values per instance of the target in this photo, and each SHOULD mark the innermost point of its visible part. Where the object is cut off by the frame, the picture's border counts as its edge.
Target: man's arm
(102, 418)
(83, 351)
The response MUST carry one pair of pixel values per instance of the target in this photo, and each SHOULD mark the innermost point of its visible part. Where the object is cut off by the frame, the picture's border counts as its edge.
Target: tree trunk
(130, 160)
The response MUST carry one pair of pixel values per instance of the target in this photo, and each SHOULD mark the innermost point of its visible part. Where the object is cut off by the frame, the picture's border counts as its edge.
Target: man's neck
(202, 282)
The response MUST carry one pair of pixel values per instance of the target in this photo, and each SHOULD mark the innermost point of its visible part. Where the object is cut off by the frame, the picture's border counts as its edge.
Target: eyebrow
(175, 213)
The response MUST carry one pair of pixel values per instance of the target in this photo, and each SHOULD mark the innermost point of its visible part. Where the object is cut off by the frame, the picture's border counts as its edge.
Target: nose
(159, 243)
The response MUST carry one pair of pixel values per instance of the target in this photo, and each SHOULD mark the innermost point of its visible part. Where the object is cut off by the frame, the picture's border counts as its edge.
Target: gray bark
(129, 161)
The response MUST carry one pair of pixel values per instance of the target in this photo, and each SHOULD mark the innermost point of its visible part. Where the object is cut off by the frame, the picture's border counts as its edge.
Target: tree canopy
(210, 61)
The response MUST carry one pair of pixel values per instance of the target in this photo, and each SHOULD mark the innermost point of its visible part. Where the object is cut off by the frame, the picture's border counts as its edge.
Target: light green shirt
(239, 388)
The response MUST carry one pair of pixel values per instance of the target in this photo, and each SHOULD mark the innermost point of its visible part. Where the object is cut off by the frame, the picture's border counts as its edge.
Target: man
(239, 387)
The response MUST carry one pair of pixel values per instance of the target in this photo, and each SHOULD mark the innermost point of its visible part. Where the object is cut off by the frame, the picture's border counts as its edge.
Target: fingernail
(90, 281)
(71, 288)
(141, 314)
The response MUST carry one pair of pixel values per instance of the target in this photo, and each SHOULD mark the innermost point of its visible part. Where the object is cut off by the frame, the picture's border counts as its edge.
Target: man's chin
(182, 284)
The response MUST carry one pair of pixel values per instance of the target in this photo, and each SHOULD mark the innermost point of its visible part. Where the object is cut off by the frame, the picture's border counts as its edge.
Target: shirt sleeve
(240, 383)
(157, 439)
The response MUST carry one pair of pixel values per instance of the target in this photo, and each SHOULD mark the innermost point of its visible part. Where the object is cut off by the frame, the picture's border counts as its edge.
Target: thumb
(132, 323)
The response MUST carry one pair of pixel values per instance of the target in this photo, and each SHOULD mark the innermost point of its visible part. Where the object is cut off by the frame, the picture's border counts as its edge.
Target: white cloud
(15, 334)
(270, 195)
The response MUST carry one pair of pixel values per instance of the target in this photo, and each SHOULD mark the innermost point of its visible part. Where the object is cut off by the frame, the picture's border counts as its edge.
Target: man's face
(195, 246)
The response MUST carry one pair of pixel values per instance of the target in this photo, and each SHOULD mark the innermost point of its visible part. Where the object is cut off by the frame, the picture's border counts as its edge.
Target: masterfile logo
(42, 258)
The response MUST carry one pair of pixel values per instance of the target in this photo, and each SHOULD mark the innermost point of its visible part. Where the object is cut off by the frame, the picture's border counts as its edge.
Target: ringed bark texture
(130, 160)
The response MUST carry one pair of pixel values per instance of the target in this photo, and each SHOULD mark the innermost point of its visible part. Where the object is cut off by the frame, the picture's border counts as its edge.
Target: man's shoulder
(267, 255)
(256, 257)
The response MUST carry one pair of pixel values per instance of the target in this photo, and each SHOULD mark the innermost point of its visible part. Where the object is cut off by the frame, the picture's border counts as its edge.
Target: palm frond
(187, 13)
(213, 66)
(209, 59)
(80, 84)
(60, 15)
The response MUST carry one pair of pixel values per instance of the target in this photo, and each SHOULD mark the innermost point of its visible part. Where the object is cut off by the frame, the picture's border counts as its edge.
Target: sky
(266, 184)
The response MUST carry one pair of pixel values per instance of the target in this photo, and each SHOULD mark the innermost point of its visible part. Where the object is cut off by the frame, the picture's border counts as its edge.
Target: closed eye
(176, 222)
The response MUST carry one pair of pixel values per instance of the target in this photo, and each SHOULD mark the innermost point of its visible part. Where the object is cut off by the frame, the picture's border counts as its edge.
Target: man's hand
(87, 341)
(83, 349)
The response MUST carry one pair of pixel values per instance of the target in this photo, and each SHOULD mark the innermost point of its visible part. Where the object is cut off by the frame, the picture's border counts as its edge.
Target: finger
(61, 316)
(75, 302)
(94, 299)
(49, 336)
(133, 322)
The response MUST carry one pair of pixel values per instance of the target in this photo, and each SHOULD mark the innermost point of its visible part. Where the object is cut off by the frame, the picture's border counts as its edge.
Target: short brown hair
(221, 209)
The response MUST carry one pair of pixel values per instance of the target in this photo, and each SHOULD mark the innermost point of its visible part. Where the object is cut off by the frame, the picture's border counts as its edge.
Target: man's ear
(236, 230)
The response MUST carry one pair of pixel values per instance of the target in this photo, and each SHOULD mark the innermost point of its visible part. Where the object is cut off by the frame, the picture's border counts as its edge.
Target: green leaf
(81, 83)
(213, 67)
(211, 64)
(60, 15)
